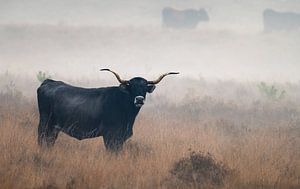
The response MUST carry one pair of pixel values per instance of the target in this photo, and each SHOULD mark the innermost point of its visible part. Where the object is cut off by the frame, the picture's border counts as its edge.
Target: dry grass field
(199, 142)
(229, 120)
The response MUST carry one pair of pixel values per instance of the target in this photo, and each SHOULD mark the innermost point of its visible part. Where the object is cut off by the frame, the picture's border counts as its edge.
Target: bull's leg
(42, 128)
(52, 132)
(51, 137)
(112, 142)
(47, 133)
(45, 115)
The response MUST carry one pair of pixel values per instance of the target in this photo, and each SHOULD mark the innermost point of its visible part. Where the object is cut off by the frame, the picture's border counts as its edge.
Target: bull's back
(48, 88)
(74, 110)
(53, 93)
(44, 94)
(61, 96)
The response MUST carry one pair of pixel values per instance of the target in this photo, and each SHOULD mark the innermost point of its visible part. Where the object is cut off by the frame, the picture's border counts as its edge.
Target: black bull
(87, 113)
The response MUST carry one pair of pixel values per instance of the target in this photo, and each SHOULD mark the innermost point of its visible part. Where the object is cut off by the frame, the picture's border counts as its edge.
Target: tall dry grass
(259, 141)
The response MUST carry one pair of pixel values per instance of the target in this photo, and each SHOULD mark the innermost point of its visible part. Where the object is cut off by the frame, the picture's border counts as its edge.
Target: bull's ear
(150, 88)
(124, 86)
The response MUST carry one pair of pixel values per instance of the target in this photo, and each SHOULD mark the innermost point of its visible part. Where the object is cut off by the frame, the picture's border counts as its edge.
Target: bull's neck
(133, 110)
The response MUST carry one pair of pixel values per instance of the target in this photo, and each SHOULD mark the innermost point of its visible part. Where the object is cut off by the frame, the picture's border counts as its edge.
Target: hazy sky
(82, 36)
(134, 12)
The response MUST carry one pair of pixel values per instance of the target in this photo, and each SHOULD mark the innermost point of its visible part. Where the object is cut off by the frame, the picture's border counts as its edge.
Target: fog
(74, 39)
(236, 99)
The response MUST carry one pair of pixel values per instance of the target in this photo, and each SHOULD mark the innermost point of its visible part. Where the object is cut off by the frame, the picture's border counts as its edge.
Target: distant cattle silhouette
(276, 21)
(188, 18)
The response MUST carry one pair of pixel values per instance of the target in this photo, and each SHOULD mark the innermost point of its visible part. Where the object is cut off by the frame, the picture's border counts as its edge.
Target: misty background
(73, 39)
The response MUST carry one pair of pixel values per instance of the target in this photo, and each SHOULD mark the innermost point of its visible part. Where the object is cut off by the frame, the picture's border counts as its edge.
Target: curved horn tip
(104, 69)
(173, 73)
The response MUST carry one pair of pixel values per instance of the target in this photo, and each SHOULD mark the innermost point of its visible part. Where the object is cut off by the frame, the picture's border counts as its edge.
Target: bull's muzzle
(139, 101)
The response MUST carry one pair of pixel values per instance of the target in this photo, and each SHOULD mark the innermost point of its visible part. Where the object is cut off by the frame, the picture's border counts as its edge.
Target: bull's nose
(139, 101)
(139, 98)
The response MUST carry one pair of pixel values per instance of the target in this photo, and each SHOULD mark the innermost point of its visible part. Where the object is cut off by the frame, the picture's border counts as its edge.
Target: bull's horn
(117, 75)
(161, 77)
